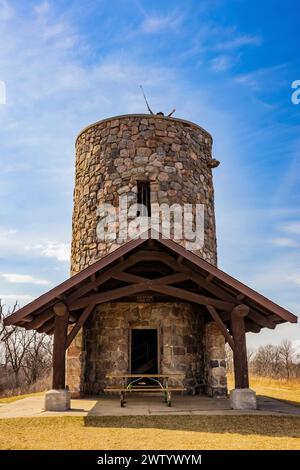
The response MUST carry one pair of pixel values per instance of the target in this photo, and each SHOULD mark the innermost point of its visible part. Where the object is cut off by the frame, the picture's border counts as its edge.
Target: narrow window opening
(143, 197)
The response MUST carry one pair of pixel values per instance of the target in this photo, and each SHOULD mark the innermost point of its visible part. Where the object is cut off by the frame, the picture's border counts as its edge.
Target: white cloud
(240, 40)
(291, 227)
(15, 243)
(24, 279)
(6, 10)
(285, 242)
(60, 251)
(12, 298)
(221, 63)
(268, 78)
(161, 23)
(42, 8)
(295, 278)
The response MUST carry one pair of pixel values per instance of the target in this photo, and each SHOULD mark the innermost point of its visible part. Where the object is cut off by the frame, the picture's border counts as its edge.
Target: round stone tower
(170, 159)
(115, 154)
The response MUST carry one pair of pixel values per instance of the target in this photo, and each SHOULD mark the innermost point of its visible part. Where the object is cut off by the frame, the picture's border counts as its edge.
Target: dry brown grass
(4, 400)
(288, 390)
(151, 432)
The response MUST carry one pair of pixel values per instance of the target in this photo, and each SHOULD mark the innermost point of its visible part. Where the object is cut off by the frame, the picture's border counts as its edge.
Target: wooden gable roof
(145, 270)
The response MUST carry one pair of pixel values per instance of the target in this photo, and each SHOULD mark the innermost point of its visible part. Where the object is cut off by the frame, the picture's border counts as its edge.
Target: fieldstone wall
(75, 364)
(113, 154)
(215, 363)
(180, 337)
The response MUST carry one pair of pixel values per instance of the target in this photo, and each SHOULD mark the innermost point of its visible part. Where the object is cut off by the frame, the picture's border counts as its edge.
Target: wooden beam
(109, 295)
(216, 317)
(45, 327)
(39, 320)
(219, 292)
(80, 322)
(241, 310)
(59, 350)
(240, 360)
(134, 259)
(60, 309)
(158, 256)
(27, 319)
(191, 296)
(169, 279)
(209, 278)
(261, 319)
(240, 297)
(252, 326)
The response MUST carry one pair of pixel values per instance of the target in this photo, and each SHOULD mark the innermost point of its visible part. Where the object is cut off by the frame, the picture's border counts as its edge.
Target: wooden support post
(240, 361)
(59, 346)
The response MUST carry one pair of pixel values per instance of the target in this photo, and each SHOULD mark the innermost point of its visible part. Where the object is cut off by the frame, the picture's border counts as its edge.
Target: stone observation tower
(117, 155)
(147, 306)
(159, 160)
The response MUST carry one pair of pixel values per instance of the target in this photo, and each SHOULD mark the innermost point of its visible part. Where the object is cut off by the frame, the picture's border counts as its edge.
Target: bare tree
(37, 360)
(15, 341)
(287, 353)
(25, 354)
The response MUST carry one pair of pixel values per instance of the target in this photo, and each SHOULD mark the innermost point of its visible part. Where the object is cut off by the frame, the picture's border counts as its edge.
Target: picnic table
(140, 383)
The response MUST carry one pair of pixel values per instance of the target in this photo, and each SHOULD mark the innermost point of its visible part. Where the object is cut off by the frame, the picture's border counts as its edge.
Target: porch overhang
(150, 270)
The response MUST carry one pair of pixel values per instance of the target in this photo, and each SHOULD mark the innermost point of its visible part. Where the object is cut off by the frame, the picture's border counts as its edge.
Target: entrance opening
(144, 358)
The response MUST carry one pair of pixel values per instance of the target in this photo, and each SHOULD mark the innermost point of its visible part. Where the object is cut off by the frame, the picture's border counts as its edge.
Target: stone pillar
(215, 364)
(76, 365)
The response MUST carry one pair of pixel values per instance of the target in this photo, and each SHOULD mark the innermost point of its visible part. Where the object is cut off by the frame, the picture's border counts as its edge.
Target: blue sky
(226, 65)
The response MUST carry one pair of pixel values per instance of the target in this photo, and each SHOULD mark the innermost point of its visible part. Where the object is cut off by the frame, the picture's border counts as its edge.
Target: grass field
(280, 389)
(151, 432)
(162, 432)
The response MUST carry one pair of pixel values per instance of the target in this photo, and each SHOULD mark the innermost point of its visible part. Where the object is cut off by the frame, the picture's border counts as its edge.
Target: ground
(158, 432)
(252, 431)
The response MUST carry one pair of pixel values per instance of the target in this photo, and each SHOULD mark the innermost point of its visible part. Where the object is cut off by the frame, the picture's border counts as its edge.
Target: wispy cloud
(295, 278)
(285, 242)
(17, 244)
(221, 63)
(269, 78)
(59, 251)
(238, 41)
(24, 279)
(6, 10)
(11, 299)
(157, 22)
(291, 227)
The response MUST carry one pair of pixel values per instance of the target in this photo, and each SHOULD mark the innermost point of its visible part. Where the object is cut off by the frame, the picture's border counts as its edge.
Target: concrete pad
(138, 405)
(243, 399)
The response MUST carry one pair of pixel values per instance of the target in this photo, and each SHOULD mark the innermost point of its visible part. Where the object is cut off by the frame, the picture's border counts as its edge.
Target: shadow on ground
(279, 426)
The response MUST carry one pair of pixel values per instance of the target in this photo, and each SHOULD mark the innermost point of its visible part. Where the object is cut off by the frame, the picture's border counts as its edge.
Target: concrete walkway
(144, 405)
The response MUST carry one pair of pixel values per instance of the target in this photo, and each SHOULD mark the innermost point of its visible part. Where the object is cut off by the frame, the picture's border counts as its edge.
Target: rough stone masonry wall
(215, 363)
(112, 155)
(180, 338)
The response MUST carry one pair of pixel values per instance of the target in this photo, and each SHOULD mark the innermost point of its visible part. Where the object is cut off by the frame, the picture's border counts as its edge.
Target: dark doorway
(144, 359)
